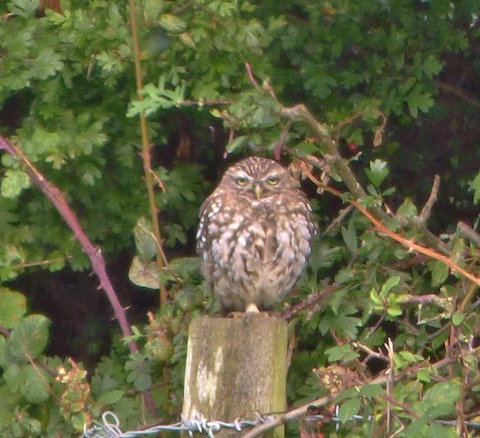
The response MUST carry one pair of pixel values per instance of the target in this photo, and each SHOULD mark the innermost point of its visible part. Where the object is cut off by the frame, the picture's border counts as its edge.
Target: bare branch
(459, 93)
(343, 212)
(370, 352)
(427, 208)
(251, 76)
(309, 302)
(469, 233)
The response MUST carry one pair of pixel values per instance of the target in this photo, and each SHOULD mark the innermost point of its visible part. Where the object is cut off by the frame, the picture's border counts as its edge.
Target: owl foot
(252, 308)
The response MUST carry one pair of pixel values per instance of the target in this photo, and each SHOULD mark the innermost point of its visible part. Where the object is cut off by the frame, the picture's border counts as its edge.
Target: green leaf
(236, 143)
(344, 353)
(432, 66)
(407, 209)
(29, 380)
(389, 285)
(13, 377)
(29, 337)
(475, 187)
(418, 100)
(12, 307)
(350, 237)
(111, 397)
(424, 375)
(47, 63)
(7, 406)
(13, 183)
(346, 394)
(378, 172)
(34, 386)
(6, 358)
(145, 244)
(187, 268)
(439, 272)
(375, 297)
(458, 318)
(394, 310)
(348, 410)
(171, 23)
(371, 390)
(440, 399)
(144, 273)
(439, 431)
(143, 382)
(23, 8)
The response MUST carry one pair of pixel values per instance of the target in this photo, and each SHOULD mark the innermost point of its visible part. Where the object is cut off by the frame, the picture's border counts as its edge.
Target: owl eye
(241, 180)
(273, 180)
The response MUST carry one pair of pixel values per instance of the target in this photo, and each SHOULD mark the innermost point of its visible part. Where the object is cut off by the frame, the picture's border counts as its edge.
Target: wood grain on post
(235, 369)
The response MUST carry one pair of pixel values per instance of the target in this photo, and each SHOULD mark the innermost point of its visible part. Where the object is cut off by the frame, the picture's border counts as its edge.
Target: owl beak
(258, 191)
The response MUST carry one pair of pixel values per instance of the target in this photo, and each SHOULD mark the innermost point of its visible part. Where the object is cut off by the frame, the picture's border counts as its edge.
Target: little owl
(255, 235)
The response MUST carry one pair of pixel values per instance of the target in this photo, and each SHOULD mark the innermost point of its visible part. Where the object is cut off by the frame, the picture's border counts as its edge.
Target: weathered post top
(236, 369)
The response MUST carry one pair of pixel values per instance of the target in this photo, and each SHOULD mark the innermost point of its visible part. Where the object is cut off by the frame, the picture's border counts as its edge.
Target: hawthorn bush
(384, 323)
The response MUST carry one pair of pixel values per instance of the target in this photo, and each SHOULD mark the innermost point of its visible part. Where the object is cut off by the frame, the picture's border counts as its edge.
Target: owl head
(258, 178)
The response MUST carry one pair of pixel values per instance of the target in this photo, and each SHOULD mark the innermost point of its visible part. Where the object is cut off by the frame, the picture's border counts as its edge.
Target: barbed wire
(109, 427)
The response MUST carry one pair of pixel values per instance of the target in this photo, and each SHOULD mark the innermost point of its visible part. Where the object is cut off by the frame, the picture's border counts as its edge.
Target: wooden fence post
(235, 369)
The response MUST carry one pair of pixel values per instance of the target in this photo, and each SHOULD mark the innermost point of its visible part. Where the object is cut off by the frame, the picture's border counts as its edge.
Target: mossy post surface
(235, 369)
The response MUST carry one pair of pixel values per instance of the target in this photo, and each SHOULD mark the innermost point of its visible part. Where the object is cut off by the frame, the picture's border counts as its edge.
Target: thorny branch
(408, 243)
(97, 261)
(58, 200)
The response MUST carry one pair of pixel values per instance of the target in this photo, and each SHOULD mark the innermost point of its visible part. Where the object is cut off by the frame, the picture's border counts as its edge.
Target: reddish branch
(409, 243)
(58, 200)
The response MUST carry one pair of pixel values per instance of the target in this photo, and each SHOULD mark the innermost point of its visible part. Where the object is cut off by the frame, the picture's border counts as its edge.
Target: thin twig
(469, 233)
(4, 331)
(309, 302)
(427, 208)
(390, 379)
(251, 76)
(370, 352)
(161, 259)
(343, 212)
(459, 93)
(40, 263)
(324, 133)
(146, 146)
(424, 299)
(401, 265)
